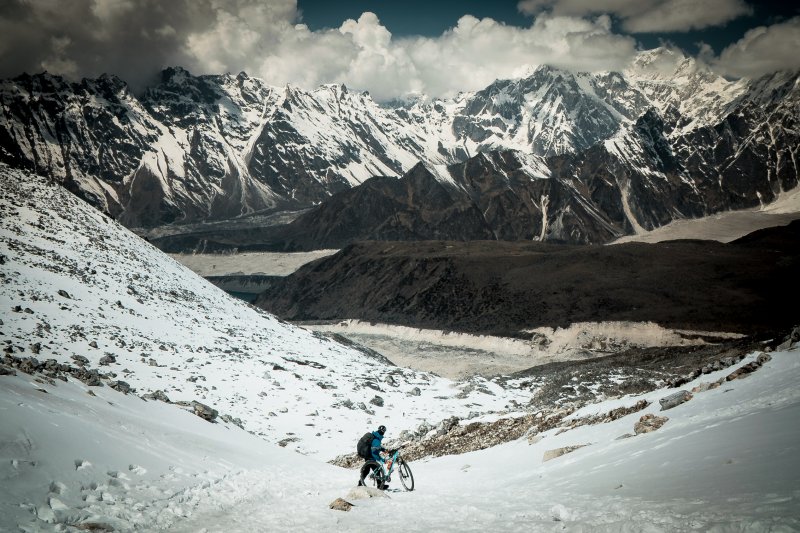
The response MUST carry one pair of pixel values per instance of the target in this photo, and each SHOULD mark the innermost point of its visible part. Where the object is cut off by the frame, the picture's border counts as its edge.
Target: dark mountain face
(554, 156)
(504, 288)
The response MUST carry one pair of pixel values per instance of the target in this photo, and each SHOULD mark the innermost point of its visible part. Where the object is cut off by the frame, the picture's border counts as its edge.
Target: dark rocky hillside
(746, 286)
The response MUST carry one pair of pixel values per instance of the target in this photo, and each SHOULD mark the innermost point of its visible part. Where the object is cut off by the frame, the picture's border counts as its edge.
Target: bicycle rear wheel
(406, 477)
(372, 475)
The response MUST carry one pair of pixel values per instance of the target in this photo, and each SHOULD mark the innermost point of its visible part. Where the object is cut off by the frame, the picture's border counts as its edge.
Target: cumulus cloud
(762, 50)
(647, 16)
(134, 39)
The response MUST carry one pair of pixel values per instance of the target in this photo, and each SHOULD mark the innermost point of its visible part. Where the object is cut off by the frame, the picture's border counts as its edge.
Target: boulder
(121, 386)
(340, 505)
(674, 400)
(107, 360)
(6, 371)
(648, 423)
(158, 395)
(63, 293)
(414, 392)
(205, 412)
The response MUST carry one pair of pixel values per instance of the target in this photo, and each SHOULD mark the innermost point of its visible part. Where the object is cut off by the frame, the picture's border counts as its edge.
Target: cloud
(477, 51)
(762, 50)
(134, 39)
(646, 16)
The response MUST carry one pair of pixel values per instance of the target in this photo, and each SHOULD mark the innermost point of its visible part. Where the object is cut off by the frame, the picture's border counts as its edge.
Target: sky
(388, 48)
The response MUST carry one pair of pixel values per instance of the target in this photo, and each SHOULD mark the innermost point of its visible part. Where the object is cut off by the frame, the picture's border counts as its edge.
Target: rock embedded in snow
(205, 412)
(81, 360)
(107, 360)
(674, 400)
(749, 368)
(157, 395)
(648, 423)
(120, 386)
(377, 400)
(6, 371)
(63, 293)
(340, 505)
(558, 452)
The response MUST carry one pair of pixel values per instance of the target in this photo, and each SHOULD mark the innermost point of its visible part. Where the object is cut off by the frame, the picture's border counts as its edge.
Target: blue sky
(389, 48)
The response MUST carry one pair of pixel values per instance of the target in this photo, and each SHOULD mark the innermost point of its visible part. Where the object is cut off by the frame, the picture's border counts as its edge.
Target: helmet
(382, 430)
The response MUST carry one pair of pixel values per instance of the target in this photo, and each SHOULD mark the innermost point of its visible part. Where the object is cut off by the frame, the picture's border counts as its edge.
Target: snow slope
(171, 330)
(725, 461)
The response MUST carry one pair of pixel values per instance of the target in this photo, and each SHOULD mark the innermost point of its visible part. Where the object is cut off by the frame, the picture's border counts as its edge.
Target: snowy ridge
(170, 330)
(217, 147)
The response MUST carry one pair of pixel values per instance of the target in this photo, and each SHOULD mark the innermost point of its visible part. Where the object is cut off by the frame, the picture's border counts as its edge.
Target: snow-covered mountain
(80, 289)
(664, 140)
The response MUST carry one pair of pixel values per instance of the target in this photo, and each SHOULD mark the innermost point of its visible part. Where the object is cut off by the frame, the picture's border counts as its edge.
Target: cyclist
(376, 448)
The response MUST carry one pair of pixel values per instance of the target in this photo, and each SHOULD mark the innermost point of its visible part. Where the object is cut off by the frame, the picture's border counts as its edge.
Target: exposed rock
(791, 339)
(158, 395)
(107, 360)
(120, 386)
(29, 365)
(81, 360)
(283, 442)
(340, 505)
(648, 423)
(377, 400)
(414, 392)
(232, 420)
(93, 344)
(558, 452)
(203, 411)
(706, 386)
(64, 294)
(36, 348)
(674, 400)
(6, 371)
(744, 370)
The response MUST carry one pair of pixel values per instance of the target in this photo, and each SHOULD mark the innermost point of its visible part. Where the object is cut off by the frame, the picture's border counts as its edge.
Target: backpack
(365, 445)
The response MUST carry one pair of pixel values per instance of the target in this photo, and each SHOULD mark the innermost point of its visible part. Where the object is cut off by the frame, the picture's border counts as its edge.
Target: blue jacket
(376, 447)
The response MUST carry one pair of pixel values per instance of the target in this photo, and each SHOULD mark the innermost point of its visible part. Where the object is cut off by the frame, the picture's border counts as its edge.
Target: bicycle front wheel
(372, 475)
(406, 477)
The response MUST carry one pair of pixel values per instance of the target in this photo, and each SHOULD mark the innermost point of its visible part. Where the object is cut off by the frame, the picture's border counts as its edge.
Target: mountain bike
(374, 474)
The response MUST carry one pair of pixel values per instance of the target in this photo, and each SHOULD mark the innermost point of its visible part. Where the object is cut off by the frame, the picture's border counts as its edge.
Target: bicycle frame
(393, 459)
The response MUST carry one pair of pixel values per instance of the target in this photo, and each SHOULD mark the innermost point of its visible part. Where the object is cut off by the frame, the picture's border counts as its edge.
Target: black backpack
(365, 445)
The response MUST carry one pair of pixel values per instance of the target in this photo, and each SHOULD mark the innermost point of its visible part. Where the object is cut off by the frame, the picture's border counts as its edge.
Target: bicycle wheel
(406, 477)
(372, 475)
